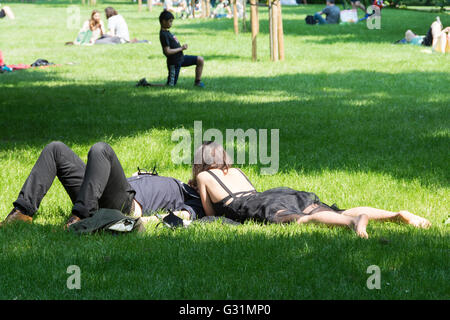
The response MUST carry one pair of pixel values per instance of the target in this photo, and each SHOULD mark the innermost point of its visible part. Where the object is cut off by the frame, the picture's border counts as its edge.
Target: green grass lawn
(362, 122)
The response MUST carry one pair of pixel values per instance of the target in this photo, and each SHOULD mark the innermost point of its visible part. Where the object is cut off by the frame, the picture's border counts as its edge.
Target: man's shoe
(142, 83)
(73, 219)
(199, 84)
(16, 215)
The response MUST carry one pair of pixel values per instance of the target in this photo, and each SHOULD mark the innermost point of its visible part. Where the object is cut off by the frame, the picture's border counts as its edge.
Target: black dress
(263, 206)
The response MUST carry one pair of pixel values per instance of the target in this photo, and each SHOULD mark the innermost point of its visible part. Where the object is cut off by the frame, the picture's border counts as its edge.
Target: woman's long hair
(210, 155)
(110, 12)
(93, 24)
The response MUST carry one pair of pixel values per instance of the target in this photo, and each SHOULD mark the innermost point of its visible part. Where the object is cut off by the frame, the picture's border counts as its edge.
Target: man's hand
(184, 47)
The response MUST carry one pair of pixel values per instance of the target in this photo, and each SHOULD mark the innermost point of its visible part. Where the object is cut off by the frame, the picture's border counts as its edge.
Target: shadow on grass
(244, 262)
(354, 121)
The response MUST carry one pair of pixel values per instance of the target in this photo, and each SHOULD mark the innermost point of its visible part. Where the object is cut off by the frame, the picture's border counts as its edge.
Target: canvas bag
(108, 220)
(349, 16)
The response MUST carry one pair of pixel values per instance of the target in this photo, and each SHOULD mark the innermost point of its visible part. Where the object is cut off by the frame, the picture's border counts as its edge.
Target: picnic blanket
(39, 63)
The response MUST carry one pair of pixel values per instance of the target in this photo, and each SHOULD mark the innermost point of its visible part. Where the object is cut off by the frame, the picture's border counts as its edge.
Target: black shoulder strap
(221, 183)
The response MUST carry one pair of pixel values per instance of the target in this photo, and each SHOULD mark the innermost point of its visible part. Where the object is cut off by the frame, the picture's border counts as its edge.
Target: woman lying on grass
(227, 191)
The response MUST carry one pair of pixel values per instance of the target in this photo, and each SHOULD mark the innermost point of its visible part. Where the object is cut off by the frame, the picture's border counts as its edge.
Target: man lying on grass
(227, 191)
(101, 183)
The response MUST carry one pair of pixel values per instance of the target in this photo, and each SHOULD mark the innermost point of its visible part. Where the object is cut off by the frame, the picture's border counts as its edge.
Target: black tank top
(269, 205)
(220, 207)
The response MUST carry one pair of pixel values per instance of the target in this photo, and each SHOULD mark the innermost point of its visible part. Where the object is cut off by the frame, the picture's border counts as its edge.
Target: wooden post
(235, 17)
(270, 30)
(280, 33)
(275, 29)
(203, 8)
(150, 5)
(254, 23)
(208, 8)
(139, 5)
(193, 8)
(244, 23)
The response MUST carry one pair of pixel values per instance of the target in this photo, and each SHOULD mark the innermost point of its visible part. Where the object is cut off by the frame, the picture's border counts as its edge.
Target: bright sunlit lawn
(362, 122)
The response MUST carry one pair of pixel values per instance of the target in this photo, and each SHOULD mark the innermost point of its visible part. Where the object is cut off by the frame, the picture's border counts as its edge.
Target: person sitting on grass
(6, 12)
(177, 6)
(226, 191)
(222, 10)
(173, 50)
(117, 29)
(332, 13)
(101, 183)
(92, 30)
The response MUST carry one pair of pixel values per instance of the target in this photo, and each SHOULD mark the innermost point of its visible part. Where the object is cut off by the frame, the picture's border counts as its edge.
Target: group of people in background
(93, 30)
(333, 13)
(437, 36)
(219, 8)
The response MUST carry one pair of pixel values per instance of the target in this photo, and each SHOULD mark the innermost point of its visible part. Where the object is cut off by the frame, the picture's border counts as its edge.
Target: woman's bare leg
(9, 12)
(378, 214)
(331, 218)
(441, 42)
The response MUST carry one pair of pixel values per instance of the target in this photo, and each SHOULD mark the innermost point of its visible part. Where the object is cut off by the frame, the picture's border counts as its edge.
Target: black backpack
(41, 62)
(310, 20)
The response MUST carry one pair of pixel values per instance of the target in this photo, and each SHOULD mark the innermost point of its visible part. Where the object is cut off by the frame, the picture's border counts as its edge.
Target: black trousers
(101, 183)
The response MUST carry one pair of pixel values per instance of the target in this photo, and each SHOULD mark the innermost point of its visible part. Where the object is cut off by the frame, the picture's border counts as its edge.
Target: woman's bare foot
(359, 224)
(414, 220)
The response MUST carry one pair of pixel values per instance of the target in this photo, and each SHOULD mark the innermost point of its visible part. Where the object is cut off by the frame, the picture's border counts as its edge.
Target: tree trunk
(235, 17)
(280, 33)
(208, 8)
(275, 29)
(244, 22)
(254, 23)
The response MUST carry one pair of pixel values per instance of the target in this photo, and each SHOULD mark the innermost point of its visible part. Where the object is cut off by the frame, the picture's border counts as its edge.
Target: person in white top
(175, 6)
(117, 27)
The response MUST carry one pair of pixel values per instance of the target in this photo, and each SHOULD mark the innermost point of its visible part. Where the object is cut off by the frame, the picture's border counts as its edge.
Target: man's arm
(168, 51)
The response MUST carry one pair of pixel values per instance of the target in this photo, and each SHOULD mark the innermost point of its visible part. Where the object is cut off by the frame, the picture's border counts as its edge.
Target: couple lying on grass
(216, 189)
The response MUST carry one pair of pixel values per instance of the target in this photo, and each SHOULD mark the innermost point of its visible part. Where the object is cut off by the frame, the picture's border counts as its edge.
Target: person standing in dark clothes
(173, 50)
(101, 183)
